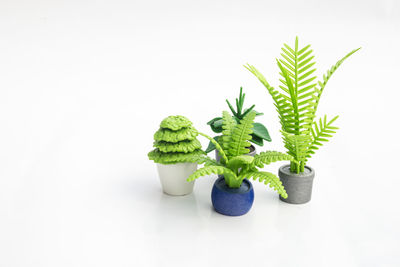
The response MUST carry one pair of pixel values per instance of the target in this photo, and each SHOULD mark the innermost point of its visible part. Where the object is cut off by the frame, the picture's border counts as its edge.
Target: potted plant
(259, 134)
(233, 193)
(296, 104)
(176, 153)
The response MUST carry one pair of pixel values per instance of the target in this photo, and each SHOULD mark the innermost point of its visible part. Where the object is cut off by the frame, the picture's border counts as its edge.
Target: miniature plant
(297, 103)
(234, 164)
(176, 142)
(260, 132)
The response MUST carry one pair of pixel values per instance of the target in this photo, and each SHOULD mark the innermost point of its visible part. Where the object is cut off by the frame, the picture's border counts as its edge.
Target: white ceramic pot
(173, 178)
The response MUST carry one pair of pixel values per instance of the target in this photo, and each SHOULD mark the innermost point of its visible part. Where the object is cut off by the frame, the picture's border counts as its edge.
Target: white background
(84, 85)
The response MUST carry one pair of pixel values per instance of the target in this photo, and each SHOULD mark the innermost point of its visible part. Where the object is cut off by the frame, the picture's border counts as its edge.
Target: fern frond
(281, 101)
(321, 133)
(182, 146)
(268, 157)
(224, 158)
(298, 83)
(321, 85)
(228, 125)
(240, 136)
(297, 102)
(268, 178)
(208, 161)
(203, 159)
(168, 135)
(292, 95)
(210, 170)
(211, 145)
(297, 146)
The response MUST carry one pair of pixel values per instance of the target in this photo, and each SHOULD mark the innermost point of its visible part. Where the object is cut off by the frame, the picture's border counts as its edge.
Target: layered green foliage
(297, 100)
(175, 123)
(234, 165)
(171, 158)
(260, 132)
(176, 142)
(182, 146)
(168, 135)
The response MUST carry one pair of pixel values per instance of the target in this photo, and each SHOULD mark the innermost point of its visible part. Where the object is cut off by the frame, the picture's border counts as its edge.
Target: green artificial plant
(234, 164)
(176, 142)
(260, 132)
(297, 102)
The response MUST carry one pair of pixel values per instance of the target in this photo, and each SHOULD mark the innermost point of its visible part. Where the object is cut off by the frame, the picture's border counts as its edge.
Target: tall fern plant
(297, 102)
(234, 164)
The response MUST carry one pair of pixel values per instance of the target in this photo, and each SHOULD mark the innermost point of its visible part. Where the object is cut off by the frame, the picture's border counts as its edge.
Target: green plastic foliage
(260, 132)
(265, 158)
(241, 135)
(171, 158)
(168, 135)
(297, 100)
(182, 146)
(234, 164)
(268, 178)
(175, 123)
(228, 125)
(176, 142)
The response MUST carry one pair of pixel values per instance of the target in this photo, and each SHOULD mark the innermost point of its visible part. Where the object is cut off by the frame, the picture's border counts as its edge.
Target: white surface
(84, 84)
(173, 178)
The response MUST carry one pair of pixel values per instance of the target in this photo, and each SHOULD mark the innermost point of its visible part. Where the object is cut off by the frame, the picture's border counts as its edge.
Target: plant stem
(302, 166)
(297, 167)
(219, 148)
(232, 182)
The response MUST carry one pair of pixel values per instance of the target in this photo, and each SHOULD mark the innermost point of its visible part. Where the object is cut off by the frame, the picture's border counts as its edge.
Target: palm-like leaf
(321, 133)
(281, 101)
(297, 146)
(298, 100)
(296, 68)
(321, 85)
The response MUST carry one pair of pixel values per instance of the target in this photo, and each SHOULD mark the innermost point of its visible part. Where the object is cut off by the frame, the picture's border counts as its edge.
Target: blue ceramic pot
(232, 201)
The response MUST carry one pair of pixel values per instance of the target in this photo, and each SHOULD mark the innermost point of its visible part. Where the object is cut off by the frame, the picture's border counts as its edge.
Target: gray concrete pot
(252, 153)
(297, 186)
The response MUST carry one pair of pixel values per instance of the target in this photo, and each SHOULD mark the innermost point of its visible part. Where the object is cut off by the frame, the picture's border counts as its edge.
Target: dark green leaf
(258, 113)
(261, 131)
(231, 108)
(247, 110)
(257, 140)
(216, 126)
(212, 121)
(210, 147)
